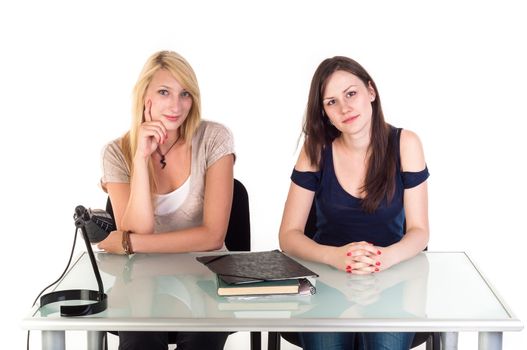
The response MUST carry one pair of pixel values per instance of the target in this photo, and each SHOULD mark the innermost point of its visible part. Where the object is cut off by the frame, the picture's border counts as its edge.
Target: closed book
(288, 286)
(238, 268)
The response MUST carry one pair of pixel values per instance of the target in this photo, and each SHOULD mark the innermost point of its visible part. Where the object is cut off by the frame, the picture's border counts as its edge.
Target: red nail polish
(348, 267)
(376, 269)
(378, 252)
(378, 263)
(348, 253)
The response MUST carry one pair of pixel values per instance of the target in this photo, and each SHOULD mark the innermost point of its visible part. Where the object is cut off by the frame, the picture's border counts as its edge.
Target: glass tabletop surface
(430, 286)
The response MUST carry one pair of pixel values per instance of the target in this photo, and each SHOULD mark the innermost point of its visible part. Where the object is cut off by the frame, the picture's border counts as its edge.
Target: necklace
(162, 160)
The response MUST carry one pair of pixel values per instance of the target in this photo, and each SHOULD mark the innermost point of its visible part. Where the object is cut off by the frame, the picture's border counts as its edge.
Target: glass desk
(435, 291)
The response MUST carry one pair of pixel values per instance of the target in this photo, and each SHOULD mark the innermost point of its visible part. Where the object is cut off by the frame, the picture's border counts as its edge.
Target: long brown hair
(320, 133)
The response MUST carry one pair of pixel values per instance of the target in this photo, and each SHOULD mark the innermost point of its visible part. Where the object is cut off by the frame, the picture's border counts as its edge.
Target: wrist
(127, 243)
(328, 255)
(390, 256)
(141, 159)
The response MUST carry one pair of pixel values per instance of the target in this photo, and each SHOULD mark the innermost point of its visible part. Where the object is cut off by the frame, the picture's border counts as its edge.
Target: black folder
(255, 267)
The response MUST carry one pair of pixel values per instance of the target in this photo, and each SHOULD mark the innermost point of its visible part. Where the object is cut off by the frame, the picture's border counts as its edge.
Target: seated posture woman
(170, 181)
(368, 180)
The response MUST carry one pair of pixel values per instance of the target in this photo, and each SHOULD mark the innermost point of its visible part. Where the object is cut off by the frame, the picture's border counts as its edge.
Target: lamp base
(100, 301)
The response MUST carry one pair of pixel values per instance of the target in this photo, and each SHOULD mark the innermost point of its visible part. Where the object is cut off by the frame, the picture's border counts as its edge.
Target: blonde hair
(184, 74)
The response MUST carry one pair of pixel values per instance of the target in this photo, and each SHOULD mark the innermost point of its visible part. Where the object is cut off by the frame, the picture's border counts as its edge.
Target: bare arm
(208, 236)
(295, 242)
(134, 210)
(415, 205)
(132, 202)
(296, 211)
(292, 237)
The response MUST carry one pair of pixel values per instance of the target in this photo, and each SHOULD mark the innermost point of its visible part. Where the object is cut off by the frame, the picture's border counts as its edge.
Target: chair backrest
(238, 236)
(311, 224)
(109, 209)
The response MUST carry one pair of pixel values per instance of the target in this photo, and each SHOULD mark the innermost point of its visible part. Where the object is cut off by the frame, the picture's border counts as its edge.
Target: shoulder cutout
(412, 155)
(303, 163)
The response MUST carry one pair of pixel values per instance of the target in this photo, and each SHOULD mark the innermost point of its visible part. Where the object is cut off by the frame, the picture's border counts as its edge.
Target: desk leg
(449, 340)
(53, 340)
(490, 340)
(97, 340)
(256, 341)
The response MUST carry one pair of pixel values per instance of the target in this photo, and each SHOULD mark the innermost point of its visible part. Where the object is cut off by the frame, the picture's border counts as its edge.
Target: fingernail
(376, 269)
(378, 252)
(378, 263)
(348, 267)
(348, 253)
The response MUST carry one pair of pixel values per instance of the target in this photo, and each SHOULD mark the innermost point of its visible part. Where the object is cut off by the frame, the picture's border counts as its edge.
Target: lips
(350, 119)
(172, 118)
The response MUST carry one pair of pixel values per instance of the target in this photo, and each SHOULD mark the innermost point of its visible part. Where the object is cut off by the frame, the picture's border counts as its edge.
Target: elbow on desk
(215, 239)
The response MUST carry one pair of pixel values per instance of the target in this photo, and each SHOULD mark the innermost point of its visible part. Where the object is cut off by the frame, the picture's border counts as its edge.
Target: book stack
(259, 273)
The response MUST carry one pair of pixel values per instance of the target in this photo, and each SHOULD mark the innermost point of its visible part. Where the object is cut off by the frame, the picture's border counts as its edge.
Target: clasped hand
(359, 258)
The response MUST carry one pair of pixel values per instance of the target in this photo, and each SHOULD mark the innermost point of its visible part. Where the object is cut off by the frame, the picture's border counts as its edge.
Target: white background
(454, 72)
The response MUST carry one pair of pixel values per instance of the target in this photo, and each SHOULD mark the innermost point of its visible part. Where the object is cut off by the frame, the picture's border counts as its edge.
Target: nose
(175, 104)
(345, 106)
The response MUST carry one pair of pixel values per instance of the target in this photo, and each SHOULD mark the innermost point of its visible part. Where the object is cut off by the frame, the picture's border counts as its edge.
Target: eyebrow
(163, 86)
(346, 89)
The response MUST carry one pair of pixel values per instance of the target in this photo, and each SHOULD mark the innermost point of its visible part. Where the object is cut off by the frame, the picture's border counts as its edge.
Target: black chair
(238, 237)
(273, 343)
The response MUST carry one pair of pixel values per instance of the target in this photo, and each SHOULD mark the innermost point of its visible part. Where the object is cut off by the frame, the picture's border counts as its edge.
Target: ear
(371, 91)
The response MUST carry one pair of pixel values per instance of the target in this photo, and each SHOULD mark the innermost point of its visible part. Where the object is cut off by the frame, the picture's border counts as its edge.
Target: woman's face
(168, 101)
(347, 102)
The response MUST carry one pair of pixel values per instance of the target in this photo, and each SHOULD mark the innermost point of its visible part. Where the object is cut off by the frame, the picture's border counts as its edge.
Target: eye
(163, 92)
(330, 102)
(185, 94)
(351, 94)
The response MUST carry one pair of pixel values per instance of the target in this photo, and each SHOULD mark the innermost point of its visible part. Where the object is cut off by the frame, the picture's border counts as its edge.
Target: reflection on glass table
(438, 292)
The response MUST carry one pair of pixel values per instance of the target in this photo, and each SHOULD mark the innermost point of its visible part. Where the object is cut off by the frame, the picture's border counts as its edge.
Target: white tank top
(170, 202)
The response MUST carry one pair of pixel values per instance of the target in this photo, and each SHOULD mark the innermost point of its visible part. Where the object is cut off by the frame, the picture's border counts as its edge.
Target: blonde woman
(170, 181)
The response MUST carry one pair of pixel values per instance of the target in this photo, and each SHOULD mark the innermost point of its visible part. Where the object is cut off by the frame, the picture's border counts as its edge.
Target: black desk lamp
(95, 226)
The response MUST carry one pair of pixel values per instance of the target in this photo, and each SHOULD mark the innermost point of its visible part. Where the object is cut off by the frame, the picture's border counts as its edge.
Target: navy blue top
(340, 217)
